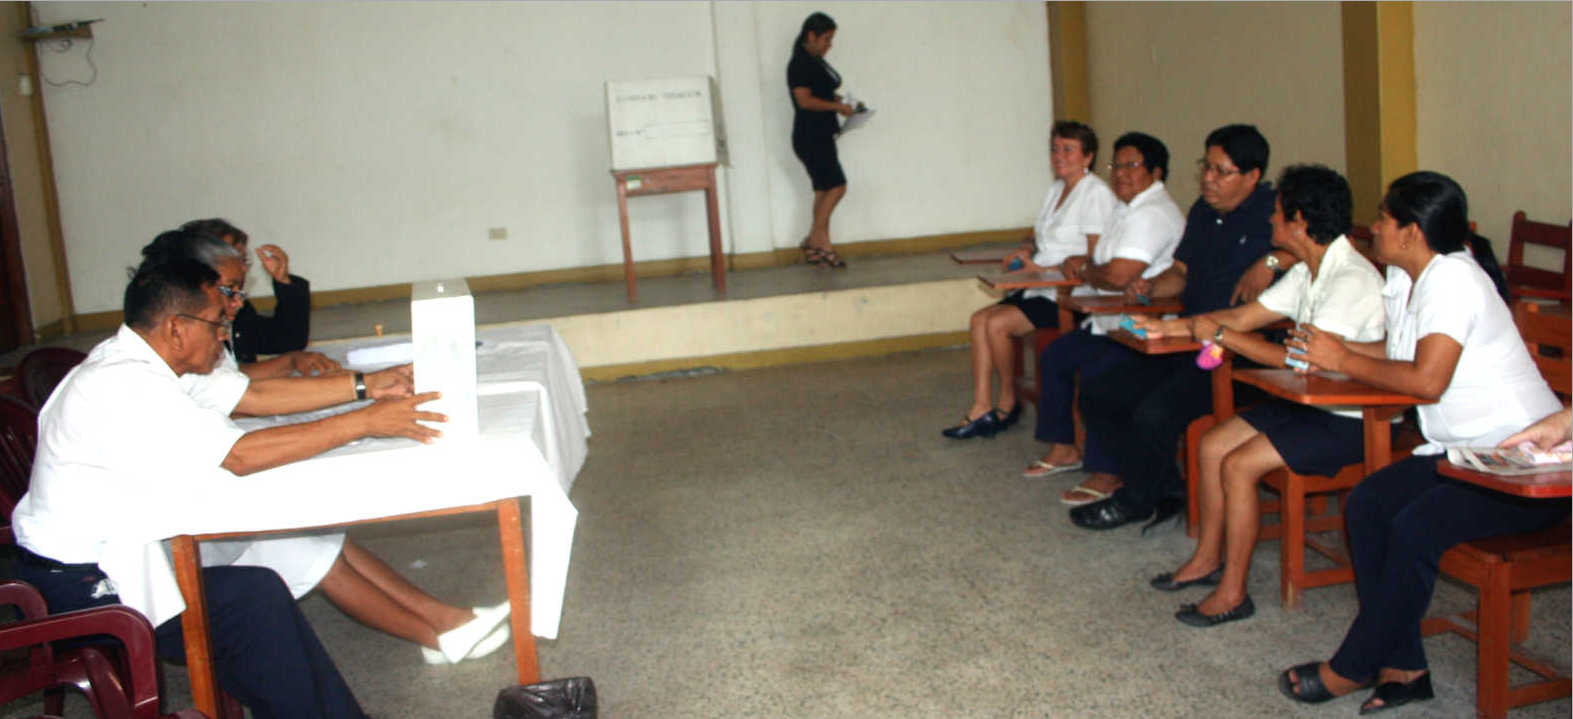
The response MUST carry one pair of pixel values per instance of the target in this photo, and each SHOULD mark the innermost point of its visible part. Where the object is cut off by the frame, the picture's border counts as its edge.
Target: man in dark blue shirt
(1139, 408)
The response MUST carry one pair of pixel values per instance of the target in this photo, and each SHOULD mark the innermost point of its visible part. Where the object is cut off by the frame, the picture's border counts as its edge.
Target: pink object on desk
(1210, 357)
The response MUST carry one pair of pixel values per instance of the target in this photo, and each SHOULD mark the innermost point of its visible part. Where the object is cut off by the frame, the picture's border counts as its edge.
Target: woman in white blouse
(1078, 208)
(1450, 340)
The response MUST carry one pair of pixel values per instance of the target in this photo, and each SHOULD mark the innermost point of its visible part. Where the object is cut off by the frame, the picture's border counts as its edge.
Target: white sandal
(1096, 496)
(1040, 469)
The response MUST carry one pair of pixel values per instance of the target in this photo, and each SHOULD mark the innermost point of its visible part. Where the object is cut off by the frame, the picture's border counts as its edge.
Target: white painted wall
(377, 143)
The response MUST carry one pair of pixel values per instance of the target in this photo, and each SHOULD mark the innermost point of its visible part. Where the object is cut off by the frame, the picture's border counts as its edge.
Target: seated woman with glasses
(1450, 340)
(1077, 210)
(288, 330)
(1331, 286)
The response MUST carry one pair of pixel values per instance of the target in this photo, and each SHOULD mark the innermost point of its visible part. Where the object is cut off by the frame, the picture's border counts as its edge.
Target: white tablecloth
(532, 398)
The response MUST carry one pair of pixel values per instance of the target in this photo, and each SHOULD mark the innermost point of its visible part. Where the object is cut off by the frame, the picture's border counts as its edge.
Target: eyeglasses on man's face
(220, 328)
(232, 293)
(1133, 165)
(1205, 167)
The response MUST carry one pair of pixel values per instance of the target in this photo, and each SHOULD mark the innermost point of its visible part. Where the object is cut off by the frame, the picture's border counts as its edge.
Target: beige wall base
(614, 273)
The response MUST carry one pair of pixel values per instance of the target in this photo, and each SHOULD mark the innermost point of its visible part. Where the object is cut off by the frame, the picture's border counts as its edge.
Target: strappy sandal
(811, 255)
(830, 259)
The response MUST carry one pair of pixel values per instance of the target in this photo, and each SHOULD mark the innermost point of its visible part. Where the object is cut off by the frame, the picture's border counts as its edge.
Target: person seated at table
(1139, 243)
(1075, 212)
(289, 329)
(352, 578)
(197, 241)
(1450, 341)
(1141, 407)
(1333, 287)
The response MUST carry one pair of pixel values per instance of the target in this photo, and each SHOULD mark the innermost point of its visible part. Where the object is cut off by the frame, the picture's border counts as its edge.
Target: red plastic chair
(114, 693)
(18, 438)
(42, 369)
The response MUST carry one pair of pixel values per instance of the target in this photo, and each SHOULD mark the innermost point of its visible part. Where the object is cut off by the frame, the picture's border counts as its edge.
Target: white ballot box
(442, 331)
(664, 122)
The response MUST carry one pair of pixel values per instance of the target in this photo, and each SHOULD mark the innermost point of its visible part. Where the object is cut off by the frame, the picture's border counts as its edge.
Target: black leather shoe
(1105, 514)
(1165, 582)
(986, 425)
(1397, 694)
(1189, 614)
(1011, 417)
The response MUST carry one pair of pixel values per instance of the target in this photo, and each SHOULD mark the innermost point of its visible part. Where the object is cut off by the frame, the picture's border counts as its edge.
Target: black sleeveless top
(821, 79)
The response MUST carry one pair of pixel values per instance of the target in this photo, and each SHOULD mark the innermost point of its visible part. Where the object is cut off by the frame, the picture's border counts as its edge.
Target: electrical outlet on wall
(497, 233)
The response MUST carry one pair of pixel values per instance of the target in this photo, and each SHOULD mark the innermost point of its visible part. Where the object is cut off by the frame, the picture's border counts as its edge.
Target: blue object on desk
(1129, 325)
(1015, 264)
(1143, 300)
(1297, 363)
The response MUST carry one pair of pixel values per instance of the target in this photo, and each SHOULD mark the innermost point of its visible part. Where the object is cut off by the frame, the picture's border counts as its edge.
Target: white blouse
(1496, 389)
(1061, 231)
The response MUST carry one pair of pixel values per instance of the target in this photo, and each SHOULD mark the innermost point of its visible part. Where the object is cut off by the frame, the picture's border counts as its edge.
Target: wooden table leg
(1223, 388)
(510, 530)
(628, 252)
(194, 624)
(1378, 439)
(713, 209)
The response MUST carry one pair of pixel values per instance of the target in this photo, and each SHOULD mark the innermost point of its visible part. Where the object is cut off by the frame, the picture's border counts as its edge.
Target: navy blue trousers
(1079, 352)
(264, 652)
(1137, 411)
(1400, 521)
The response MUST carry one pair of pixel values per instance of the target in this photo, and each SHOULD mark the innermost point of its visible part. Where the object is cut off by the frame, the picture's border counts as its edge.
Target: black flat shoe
(1011, 417)
(1105, 514)
(1165, 582)
(1189, 614)
(986, 425)
(1397, 694)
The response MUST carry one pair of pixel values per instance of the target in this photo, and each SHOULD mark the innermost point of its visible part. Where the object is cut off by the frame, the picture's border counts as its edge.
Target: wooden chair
(1524, 281)
(42, 369)
(1504, 569)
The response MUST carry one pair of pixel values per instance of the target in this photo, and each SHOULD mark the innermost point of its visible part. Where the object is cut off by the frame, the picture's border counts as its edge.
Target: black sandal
(1309, 689)
(1397, 694)
(832, 260)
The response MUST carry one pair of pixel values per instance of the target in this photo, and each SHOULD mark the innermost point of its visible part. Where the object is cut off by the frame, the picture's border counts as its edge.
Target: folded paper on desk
(1524, 459)
(394, 354)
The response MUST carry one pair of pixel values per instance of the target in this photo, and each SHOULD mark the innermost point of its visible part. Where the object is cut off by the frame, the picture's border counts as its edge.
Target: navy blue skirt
(1310, 440)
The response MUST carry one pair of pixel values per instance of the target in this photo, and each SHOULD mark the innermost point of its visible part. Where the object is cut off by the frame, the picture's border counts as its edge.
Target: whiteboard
(663, 122)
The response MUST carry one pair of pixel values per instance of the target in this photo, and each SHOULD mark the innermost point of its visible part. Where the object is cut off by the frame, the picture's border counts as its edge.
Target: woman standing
(812, 83)
(1450, 339)
(1075, 213)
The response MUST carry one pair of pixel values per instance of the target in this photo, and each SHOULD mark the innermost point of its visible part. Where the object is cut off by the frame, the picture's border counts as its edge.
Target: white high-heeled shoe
(484, 634)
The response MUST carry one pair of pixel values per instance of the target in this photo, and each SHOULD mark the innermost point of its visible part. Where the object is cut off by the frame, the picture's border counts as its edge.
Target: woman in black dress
(812, 83)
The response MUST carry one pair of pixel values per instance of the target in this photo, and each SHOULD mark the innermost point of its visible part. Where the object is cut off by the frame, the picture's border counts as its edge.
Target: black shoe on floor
(986, 425)
(1165, 582)
(1189, 614)
(1011, 417)
(1397, 694)
(1105, 514)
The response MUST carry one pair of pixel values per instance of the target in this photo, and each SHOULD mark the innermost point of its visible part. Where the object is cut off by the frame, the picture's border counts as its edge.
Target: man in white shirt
(1140, 243)
(118, 442)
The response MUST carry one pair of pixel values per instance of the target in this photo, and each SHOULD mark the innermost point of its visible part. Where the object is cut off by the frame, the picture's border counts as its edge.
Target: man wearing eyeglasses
(117, 443)
(1138, 409)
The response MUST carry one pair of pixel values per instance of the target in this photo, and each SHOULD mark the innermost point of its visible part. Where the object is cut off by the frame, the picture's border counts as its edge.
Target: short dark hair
(160, 289)
(1246, 147)
(1318, 195)
(1435, 203)
(192, 243)
(817, 23)
(1155, 156)
(218, 227)
(1083, 135)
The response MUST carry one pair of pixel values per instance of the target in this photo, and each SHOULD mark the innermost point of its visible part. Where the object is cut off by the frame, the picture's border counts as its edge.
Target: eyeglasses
(231, 293)
(223, 327)
(1205, 167)
(1132, 165)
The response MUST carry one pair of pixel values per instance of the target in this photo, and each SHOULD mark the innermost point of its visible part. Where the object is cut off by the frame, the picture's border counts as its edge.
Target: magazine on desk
(1523, 459)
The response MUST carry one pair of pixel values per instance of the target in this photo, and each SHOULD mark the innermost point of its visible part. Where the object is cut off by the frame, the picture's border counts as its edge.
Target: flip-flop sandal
(1092, 495)
(1039, 469)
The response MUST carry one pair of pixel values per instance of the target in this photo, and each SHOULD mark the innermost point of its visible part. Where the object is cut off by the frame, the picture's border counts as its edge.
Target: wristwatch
(1218, 336)
(360, 385)
(1272, 262)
